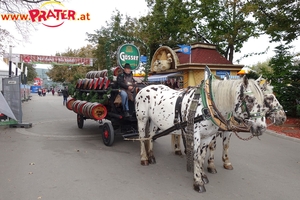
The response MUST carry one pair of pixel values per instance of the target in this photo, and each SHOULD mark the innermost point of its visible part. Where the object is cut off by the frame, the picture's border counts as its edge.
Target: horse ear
(245, 81)
(258, 80)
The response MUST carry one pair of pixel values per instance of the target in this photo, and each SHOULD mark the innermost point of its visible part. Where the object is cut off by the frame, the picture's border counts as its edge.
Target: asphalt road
(54, 160)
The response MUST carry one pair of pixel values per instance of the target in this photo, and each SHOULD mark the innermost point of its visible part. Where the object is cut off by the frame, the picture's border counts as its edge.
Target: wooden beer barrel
(86, 83)
(96, 85)
(80, 106)
(101, 83)
(74, 105)
(98, 74)
(85, 109)
(97, 111)
(91, 83)
(117, 71)
(106, 83)
(70, 102)
(88, 75)
(78, 85)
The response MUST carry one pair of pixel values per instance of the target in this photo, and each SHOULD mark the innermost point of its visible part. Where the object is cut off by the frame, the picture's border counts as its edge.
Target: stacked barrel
(96, 80)
(89, 110)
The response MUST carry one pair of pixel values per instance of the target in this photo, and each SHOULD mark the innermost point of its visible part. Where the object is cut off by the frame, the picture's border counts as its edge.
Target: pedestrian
(126, 84)
(53, 91)
(40, 92)
(44, 91)
(65, 94)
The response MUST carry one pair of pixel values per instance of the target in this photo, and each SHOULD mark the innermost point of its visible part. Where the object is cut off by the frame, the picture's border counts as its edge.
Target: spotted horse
(157, 108)
(274, 112)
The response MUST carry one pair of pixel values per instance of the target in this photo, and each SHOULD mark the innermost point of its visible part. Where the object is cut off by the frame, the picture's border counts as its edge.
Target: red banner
(56, 60)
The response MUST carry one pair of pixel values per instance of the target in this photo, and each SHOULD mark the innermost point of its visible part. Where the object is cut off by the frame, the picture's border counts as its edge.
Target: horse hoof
(152, 160)
(199, 188)
(178, 153)
(144, 162)
(205, 179)
(211, 170)
(228, 167)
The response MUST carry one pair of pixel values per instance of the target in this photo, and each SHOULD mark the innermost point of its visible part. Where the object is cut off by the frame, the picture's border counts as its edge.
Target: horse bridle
(244, 106)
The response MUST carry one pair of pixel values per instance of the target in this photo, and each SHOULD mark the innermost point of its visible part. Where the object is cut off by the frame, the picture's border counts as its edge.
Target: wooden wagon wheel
(108, 134)
(80, 121)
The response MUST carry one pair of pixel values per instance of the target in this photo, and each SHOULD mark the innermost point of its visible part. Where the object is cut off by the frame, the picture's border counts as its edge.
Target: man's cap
(127, 65)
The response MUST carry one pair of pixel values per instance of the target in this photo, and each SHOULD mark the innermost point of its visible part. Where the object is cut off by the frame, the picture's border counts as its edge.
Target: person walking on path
(65, 94)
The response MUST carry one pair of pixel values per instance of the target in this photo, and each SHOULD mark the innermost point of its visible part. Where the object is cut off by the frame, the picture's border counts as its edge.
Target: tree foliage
(285, 78)
(23, 27)
(31, 73)
(70, 74)
(119, 25)
(169, 23)
(278, 18)
(227, 24)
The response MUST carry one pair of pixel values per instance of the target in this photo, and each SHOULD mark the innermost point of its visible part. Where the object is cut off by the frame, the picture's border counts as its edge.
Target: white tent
(5, 109)
(4, 68)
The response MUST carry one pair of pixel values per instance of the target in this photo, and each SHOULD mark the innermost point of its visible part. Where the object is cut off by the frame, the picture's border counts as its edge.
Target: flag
(186, 49)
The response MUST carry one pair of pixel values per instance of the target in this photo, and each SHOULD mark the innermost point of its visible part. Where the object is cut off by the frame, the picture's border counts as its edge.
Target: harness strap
(216, 116)
(178, 106)
(176, 127)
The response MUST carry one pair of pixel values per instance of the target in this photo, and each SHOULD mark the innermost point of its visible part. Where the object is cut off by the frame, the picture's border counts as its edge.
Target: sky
(72, 34)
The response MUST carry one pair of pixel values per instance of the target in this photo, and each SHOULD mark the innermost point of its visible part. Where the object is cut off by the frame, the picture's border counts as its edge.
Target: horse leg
(199, 174)
(226, 139)
(144, 157)
(175, 140)
(211, 168)
(204, 144)
(143, 132)
(149, 147)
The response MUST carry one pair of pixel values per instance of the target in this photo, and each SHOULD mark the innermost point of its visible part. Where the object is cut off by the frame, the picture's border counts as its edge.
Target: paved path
(55, 160)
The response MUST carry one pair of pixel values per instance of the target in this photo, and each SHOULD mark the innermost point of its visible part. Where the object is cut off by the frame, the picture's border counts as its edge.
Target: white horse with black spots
(274, 112)
(155, 111)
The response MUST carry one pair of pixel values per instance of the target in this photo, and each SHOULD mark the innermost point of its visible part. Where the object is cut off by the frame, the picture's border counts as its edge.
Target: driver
(126, 84)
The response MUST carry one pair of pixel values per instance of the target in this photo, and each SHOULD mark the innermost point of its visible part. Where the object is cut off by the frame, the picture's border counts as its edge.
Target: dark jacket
(65, 93)
(124, 80)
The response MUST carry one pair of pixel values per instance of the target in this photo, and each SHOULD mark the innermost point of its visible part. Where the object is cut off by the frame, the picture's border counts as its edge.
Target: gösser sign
(128, 53)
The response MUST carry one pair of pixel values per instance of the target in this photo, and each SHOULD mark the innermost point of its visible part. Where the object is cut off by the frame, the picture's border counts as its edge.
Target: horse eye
(250, 99)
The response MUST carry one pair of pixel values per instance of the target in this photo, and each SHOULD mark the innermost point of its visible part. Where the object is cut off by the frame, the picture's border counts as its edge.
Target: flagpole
(190, 54)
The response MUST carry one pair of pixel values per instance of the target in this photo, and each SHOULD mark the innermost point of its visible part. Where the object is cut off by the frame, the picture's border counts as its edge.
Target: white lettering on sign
(125, 57)
(11, 82)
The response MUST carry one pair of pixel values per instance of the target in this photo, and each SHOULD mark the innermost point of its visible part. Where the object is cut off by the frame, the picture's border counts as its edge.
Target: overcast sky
(72, 34)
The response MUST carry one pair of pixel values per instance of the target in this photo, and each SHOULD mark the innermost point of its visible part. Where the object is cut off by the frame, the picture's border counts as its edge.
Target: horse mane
(225, 93)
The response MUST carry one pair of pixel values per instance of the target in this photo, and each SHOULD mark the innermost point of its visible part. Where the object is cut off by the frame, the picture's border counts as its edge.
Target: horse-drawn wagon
(97, 98)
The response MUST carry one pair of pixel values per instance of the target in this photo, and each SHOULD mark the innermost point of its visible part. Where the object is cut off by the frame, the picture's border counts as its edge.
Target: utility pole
(10, 62)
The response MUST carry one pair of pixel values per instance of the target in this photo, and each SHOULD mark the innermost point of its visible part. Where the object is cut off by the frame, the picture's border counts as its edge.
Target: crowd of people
(42, 92)
(60, 92)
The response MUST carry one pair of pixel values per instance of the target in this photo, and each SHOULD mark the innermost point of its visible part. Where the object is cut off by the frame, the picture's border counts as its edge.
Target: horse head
(274, 111)
(250, 106)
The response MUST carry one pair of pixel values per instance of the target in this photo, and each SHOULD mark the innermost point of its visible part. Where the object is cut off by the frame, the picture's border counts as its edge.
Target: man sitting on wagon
(126, 83)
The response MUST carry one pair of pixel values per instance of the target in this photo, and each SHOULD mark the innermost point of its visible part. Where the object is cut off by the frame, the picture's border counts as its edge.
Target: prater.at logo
(53, 14)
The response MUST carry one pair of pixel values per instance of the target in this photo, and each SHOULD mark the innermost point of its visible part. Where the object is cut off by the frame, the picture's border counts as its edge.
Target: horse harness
(209, 111)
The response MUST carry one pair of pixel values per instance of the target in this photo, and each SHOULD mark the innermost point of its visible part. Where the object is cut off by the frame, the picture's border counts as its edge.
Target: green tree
(118, 26)
(169, 23)
(227, 24)
(31, 73)
(71, 74)
(278, 18)
(285, 79)
(262, 68)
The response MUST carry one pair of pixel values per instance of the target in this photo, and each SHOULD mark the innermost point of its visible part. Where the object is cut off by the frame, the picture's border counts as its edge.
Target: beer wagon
(97, 98)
